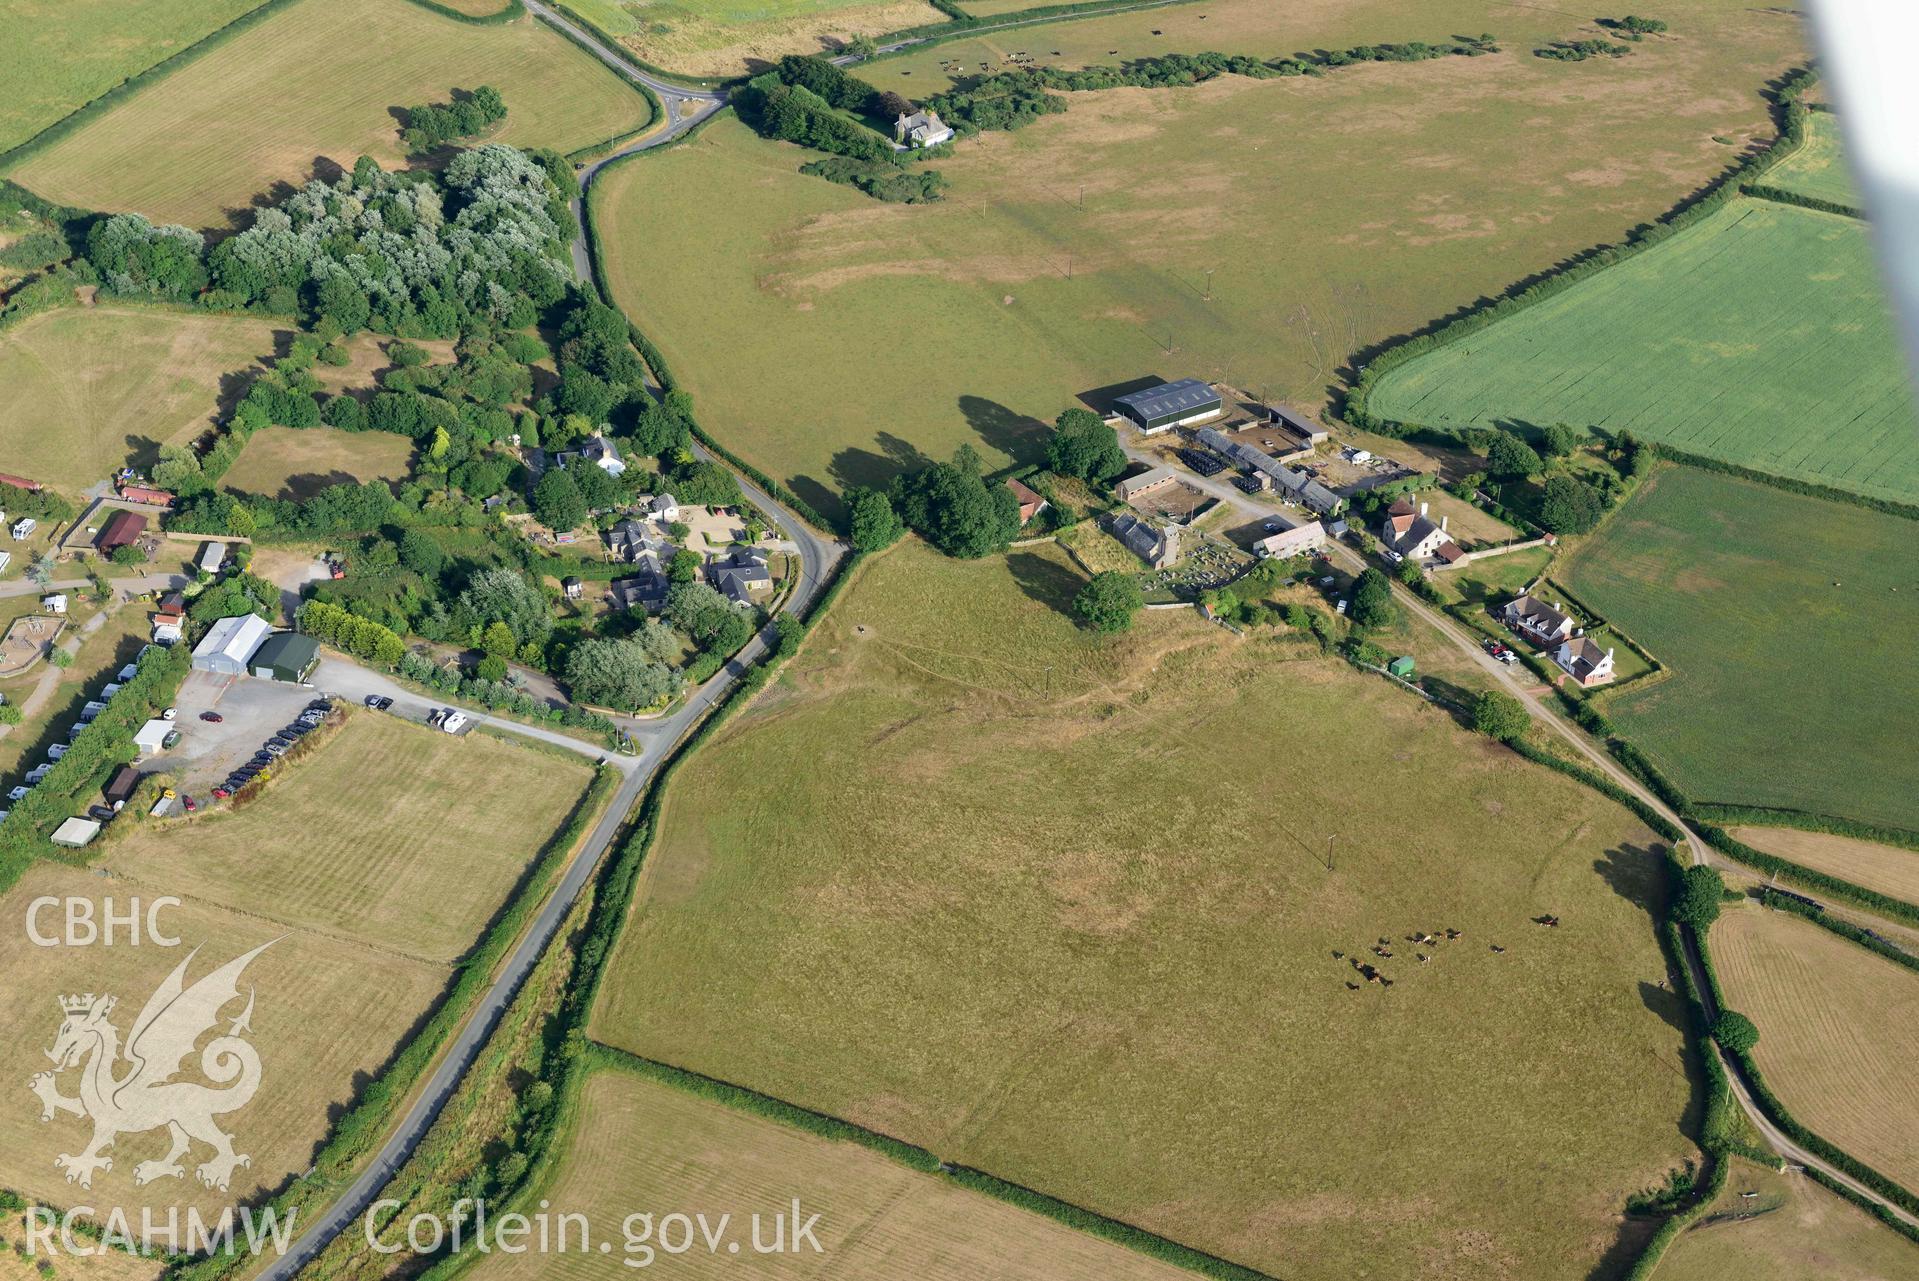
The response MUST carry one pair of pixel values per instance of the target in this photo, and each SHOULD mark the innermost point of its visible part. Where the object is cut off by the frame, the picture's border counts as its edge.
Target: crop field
(1780, 617)
(640, 1143)
(91, 389)
(1819, 167)
(1686, 344)
(1078, 253)
(421, 873)
(327, 1012)
(1885, 868)
(282, 462)
(291, 97)
(104, 1265)
(1018, 909)
(732, 37)
(1838, 1031)
(1789, 1230)
(57, 55)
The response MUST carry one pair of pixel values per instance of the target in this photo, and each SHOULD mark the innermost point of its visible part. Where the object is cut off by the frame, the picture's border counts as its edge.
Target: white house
(1584, 661)
(663, 507)
(921, 129)
(1292, 542)
(231, 642)
(602, 453)
(1536, 620)
(1409, 535)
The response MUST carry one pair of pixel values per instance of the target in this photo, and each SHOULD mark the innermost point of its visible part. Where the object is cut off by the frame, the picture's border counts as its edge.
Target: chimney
(1442, 523)
(1422, 508)
(1579, 631)
(1609, 653)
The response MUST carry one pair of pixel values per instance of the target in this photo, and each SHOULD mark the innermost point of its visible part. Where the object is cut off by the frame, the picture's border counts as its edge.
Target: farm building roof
(285, 656)
(1188, 395)
(122, 531)
(232, 639)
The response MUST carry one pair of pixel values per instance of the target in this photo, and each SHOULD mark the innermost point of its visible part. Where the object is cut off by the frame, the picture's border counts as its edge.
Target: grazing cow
(1385, 982)
(1339, 956)
(1498, 948)
(1452, 933)
(1423, 958)
(1352, 987)
(1380, 951)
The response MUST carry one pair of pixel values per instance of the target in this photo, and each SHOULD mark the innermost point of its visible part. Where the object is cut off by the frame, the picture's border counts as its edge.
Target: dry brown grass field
(106, 1265)
(1838, 1032)
(328, 1012)
(391, 835)
(1796, 1230)
(1060, 908)
(732, 37)
(282, 462)
(1326, 213)
(89, 389)
(637, 1144)
(313, 87)
(1885, 868)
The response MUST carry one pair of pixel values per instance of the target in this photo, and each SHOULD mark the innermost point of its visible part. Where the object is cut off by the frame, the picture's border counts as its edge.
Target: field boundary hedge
(506, 13)
(1791, 484)
(1786, 196)
(1844, 929)
(1876, 1209)
(1824, 882)
(929, 34)
(1806, 821)
(139, 80)
(359, 1128)
(1776, 1111)
(1381, 358)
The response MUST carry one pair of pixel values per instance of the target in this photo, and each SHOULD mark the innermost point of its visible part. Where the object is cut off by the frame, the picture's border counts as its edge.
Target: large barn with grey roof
(1170, 405)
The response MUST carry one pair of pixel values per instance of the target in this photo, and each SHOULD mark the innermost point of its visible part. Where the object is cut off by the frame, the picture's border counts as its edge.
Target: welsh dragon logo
(143, 1095)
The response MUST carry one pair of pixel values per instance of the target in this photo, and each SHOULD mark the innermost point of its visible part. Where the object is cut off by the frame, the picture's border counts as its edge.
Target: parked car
(221, 793)
(190, 803)
(212, 717)
(169, 714)
(320, 705)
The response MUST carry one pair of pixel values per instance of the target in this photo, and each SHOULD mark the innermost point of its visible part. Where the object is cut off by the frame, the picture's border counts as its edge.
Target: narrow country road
(656, 739)
(1596, 756)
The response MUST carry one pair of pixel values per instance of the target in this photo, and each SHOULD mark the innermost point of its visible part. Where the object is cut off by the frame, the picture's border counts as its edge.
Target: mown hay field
(101, 1265)
(1818, 168)
(58, 55)
(328, 1012)
(1782, 620)
(313, 87)
(1885, 868)
(284, 462)
(1790, 1230)
(1059, 908)
(734, 37)
(1838, 1032)
(1074, 255)
(392, 835)
(637, 1145)
(92, 389)
(1759, 336)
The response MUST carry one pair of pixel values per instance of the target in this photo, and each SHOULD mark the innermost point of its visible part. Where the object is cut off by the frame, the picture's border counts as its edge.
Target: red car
(221, 793)
(191, 804)
(214, 717)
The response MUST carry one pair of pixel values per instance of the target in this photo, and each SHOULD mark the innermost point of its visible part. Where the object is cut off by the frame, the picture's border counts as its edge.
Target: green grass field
(314, 86)
(1059, 908)
(58, 55)
(1819, 167)
(1760, 336)
(90, 389)
(1074, 255)
(731, 37)
(1783, 619)
(281, 462)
